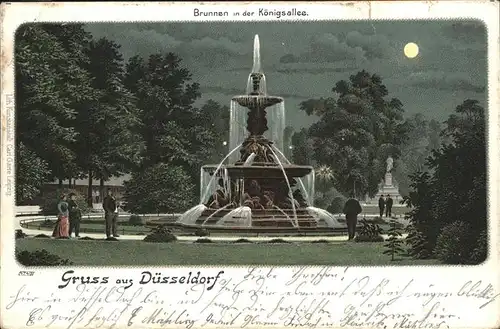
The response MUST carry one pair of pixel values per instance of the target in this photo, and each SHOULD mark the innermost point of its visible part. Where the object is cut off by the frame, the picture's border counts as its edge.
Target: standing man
(381, 205)
(352, 209)
(75, 215)
(388, 207)
(111, 214)
(97, 195)
(94, 196)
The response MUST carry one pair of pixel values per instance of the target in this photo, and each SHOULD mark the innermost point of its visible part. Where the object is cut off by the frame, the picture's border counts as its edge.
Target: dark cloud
(354, 46)
(444, 81)
(304, 60)
(470, 31)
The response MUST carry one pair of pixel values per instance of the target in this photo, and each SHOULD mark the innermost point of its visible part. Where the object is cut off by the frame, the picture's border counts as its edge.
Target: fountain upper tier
(257, 101)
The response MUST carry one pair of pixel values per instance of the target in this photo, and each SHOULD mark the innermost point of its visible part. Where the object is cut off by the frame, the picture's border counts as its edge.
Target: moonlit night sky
(305, 60)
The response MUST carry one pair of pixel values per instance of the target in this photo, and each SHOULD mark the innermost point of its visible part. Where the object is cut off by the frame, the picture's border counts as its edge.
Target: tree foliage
(302, 151)
(394, 242)
(160, 188)
(50, 86)
(357, 130)
(31, 173)
(109, 142)
(453, 195)
(423, 138)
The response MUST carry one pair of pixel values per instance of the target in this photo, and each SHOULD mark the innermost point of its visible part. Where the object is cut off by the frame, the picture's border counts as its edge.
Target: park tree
(175, 132)
(424, 136)
(357, 130)
(165, 97)
(109, 143)
(31, 174)
(302, 151)
(160, 188)
(51, 84)
(450, 201)
(214, 117)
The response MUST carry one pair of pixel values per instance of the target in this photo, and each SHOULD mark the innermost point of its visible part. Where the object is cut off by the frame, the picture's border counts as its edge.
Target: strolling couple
(385, 204)
(68, 217)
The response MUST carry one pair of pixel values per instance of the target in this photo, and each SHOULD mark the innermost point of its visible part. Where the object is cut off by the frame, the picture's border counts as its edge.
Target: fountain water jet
(258, 187)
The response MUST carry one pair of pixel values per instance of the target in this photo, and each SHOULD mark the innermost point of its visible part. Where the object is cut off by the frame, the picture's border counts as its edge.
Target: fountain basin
(250, 101)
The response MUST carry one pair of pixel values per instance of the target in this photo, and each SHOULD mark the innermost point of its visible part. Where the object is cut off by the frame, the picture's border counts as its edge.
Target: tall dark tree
(166, 99)
(302, 151)
(50, 85)
(109, 141)
(424, 136)
(214, 117)
(31, 173)
(175, 132)
(454, 195)
(357, 131)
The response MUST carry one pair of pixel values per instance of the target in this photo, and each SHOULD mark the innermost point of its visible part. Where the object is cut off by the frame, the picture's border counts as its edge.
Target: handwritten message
(302, 297)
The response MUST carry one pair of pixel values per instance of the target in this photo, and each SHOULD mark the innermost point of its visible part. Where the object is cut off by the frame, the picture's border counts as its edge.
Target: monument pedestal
(388, 187)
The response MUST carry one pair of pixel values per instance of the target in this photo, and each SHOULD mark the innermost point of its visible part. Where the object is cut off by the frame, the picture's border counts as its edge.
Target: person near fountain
(388, 206)
(110, 214)
(61, 230)
(381, 205)
(75, 215)
(352, 209)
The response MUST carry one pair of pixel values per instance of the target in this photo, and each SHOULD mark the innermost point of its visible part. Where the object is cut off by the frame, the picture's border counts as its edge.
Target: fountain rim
(257, 96)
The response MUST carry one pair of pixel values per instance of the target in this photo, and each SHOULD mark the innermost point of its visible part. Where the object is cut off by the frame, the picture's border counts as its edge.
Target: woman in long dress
(61, 230)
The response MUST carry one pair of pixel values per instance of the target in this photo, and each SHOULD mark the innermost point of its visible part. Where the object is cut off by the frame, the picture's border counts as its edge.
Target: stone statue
(389, 163)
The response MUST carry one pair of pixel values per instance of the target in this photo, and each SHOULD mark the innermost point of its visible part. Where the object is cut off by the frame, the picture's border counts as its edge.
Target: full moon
(411, 50)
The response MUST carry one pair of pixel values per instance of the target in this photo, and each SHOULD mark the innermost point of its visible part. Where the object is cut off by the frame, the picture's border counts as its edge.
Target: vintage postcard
(250, 165)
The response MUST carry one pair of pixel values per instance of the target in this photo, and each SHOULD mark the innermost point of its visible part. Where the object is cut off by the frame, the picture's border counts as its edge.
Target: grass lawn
(123, 227)
(108, 253)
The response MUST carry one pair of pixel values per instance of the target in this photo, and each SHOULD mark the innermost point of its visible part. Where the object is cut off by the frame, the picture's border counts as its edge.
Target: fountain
(256, 190)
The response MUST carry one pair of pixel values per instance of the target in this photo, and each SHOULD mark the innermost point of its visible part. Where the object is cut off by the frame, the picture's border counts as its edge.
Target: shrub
(201, 232)
(419, 246)
(320, 241)
(40, 258)
(455, 243)
(369, 232)
(160, 234)
(203, 240)
(277, 241)
(337, 204)
(378, 220)
(394, 242)
(368, 238)
(47, 223)
(50, 200)
(159, 188)
(42, 236)
(20, 234)
(135, 220)
(480, 252)
(242, 241)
